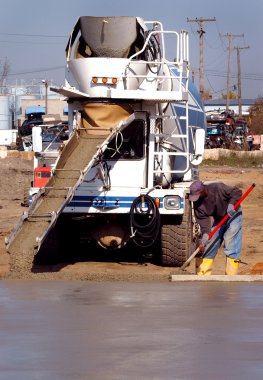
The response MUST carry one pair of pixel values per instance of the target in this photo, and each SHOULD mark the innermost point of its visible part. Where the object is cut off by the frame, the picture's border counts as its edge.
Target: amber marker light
(114, 80)
(104, 80)
(94, 79)
(157, 202)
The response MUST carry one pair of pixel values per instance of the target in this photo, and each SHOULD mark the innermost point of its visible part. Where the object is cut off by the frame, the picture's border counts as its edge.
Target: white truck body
(122, 89)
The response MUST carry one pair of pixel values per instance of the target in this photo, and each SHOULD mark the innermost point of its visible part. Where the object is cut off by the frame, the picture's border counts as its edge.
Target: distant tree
(256, 116)
(232, 95)
(207, 94)
(4, 71)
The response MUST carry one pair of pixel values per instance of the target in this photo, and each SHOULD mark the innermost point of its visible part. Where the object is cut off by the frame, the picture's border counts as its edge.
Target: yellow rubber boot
(232, 266)
(204, 266)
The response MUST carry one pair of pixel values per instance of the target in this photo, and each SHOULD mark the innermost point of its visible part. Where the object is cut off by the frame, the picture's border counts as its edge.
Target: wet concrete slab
(109, 331)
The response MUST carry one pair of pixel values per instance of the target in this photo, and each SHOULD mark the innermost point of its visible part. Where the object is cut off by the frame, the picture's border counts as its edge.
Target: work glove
(230, 210)
(204, 240)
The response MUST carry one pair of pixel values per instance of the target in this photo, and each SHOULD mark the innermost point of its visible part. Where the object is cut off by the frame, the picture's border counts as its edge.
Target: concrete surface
(77, 330)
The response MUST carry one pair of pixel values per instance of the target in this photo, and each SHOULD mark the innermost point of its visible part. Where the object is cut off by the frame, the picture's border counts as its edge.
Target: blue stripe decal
(193, 91)
(107, 202)
(191, 87)
(109, 198)
(101, 202)
(195, 118)
(100, 205)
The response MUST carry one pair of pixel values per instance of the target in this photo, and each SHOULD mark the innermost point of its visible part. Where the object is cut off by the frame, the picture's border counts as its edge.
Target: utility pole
(239, 95)
(45, 81)
(193, 74)
(201, 32)
(230, 37)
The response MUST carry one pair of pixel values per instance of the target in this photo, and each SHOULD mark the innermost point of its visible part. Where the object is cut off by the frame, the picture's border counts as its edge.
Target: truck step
(47, 217)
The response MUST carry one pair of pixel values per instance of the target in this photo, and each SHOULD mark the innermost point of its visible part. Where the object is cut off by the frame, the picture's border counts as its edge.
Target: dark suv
(26, 127)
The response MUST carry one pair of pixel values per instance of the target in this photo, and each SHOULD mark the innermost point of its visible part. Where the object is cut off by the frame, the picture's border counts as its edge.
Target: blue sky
(34, 33)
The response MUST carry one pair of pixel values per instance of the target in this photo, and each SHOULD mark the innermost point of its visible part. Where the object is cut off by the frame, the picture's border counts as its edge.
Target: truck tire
(177, 239)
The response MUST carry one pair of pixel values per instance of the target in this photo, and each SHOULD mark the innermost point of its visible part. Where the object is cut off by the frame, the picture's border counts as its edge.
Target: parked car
(217, 136)
(26, 127)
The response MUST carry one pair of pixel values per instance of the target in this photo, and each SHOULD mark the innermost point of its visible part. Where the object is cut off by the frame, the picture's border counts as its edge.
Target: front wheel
(177, 243)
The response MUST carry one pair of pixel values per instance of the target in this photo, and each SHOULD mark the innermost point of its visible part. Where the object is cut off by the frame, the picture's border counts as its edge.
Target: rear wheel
(177, 239)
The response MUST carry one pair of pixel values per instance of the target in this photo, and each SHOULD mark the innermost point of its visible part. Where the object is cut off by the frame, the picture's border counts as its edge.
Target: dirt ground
(16, 174)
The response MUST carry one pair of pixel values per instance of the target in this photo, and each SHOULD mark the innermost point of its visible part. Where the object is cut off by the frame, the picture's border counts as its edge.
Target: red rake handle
(218, 225)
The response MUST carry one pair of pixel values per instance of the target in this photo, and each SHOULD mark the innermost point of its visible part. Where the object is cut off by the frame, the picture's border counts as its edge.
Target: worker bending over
(216, 200)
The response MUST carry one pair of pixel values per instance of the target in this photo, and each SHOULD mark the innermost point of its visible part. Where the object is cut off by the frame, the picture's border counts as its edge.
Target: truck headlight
(172, 202)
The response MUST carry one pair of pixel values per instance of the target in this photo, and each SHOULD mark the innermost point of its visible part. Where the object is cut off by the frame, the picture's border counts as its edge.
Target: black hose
(144, 221)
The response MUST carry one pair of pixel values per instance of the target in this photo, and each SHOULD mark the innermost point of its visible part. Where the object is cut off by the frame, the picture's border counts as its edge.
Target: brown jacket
(215, 204)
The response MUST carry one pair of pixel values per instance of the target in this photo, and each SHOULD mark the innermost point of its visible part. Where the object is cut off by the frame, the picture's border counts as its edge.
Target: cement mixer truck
(137, 133)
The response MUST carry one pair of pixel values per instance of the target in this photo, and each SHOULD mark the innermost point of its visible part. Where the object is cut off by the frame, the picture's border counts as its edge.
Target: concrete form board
(216, 277)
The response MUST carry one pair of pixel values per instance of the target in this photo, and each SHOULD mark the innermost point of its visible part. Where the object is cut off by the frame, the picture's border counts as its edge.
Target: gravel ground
(16, 176)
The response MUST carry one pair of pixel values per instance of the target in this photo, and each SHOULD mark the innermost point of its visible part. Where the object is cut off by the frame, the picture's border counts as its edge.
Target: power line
(223, 74)
(32, 43)
(223, 90)
(212, 46)
(216, 60)
(209, 83)
(33, 35)
(38, 70)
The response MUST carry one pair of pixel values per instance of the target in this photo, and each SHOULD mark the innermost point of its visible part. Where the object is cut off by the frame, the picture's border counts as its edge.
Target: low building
(55, 107)
(220, 104)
